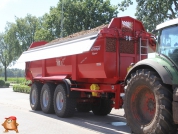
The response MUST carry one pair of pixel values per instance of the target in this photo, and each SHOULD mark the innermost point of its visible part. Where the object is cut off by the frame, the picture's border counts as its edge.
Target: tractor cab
(168, 41)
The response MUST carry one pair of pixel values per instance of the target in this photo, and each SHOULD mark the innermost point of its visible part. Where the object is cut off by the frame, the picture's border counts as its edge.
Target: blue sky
(20, 8)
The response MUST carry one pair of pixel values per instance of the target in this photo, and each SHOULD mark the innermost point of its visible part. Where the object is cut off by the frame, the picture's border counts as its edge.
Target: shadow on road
(110, 124)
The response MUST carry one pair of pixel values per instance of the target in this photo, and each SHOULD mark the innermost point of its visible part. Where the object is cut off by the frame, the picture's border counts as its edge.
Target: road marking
(121, 132)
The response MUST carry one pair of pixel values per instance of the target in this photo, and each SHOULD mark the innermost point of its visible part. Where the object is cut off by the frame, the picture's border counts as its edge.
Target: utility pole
(62, 17)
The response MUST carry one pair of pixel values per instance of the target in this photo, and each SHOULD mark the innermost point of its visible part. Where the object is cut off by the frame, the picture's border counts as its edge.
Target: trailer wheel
(46, 98)
(148, 104)
(102, 107)
(35, 96)
(83, 107)
(63, 105)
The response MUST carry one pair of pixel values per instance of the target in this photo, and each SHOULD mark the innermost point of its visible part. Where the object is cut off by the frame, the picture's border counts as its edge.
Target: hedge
(21, 88)
(4, 84)
(7, 84)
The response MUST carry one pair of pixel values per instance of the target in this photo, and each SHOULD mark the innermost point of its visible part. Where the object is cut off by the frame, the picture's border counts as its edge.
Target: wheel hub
(151, 105)
(45, 98)
(143, 104)
(33, 97)
(59, 101)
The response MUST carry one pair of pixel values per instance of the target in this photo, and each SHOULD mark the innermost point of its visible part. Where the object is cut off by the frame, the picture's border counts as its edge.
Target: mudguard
(71, 94)
(163, 71)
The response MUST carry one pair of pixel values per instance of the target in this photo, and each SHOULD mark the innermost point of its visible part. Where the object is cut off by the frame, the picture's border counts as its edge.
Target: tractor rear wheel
(63, 106)
(148, 104)
(35, 96)
(102, 107)
(46, 98)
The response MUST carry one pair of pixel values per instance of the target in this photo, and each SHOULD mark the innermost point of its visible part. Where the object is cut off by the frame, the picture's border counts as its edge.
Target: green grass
(15, 80)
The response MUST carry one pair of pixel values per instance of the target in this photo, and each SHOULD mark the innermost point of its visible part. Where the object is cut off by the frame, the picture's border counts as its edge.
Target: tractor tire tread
(163, 121)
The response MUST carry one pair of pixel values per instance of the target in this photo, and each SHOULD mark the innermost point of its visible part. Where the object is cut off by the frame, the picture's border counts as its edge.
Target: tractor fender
(71, 94)
(163, 72)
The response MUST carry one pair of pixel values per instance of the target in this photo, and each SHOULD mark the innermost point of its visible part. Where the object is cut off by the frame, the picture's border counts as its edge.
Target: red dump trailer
(85, 72)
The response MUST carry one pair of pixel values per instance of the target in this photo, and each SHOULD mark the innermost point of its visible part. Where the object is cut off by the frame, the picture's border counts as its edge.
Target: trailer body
(90, 68)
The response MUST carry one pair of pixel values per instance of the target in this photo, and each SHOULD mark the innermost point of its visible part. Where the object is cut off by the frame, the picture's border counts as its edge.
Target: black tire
(35, 96)
(102, 107)
(46, 98)
(83, 107)
(63, 106)
(148, 104)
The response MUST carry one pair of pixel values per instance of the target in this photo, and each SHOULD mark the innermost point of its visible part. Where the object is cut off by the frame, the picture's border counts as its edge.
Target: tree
(14, 72)
(45, 31)
(25, 30)
(77, 15)
(1, 69)
(21, 34)
(152, 12)
(88, 14)
(10, 37)
(6, 54)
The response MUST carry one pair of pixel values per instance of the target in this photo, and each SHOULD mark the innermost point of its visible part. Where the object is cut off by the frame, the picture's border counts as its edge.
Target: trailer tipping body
(93, 65)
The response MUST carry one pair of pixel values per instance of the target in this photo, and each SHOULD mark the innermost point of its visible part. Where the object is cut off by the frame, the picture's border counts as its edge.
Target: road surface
(36, 122)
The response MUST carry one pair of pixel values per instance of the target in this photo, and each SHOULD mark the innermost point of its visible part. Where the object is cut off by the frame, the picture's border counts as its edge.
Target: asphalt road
(36, 122)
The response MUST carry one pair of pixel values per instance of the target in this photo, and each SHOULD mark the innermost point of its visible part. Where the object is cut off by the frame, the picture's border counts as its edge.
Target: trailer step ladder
(143, 46)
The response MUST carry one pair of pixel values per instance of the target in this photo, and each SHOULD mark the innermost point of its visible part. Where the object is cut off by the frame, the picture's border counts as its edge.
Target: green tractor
(151, 86)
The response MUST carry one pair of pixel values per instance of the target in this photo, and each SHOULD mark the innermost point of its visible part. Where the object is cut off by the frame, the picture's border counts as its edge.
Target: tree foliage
(6, 53)
(153, 12)
(13, 72)
(11, 38)
(77, 15)
(21, 33)
(26, 29)
(45, 30)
